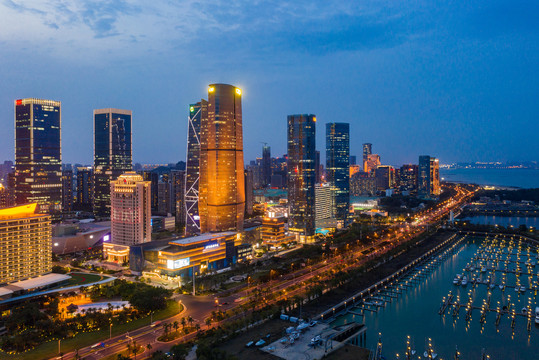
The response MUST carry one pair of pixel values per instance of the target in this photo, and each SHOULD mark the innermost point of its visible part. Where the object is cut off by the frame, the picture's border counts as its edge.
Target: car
(225, 303)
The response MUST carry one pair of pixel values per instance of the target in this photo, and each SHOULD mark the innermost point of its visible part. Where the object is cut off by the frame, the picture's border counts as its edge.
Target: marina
(478, 291)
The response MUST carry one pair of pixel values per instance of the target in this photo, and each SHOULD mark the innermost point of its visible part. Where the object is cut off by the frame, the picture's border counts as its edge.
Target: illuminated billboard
(177, 264)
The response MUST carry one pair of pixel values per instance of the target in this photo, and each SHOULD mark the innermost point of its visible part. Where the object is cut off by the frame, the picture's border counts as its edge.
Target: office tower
(85, 187)
(301, 175)
(130, 210)
(221, 185)
(354, 169)
(5, 169)
(192, 171)
(362, 183)
(67, 190)
(38, 155)
(385, 177)
(367, 150)
(325, 208)
(25, 243)
(371, 162)
(338, 166)
(178, 195)
(428, 176)
(353, 160)
(249, 194)
(273, 230)
(277, 181)
(112, 153)
(317, 178)
(408, 178)
(266, 164)
(4, 196)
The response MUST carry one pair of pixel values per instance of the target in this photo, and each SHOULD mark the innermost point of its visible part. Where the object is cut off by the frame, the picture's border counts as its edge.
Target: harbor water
(504, 221)
(415, 312)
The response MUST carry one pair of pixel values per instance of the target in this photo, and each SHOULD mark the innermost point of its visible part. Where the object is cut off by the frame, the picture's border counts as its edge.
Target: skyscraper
(112, 153)
(428, 176)
(266, 164)
(38, 155)
(338, 166)
(221, 185)
(408, 178)
(85, 187)
(301, 175)
(367, 150)
(177, 178)
(192, 171)
(385, 177)
(249, 194)
(67, 190)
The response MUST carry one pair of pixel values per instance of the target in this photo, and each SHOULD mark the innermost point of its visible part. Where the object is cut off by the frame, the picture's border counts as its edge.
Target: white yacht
(464, 281)
(537, 315)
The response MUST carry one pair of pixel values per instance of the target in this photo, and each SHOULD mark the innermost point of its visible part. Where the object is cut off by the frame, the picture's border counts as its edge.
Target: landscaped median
(84, 339)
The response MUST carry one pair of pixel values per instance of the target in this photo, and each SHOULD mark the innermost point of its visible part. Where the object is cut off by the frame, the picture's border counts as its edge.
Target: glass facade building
(38, 155)
(266, 164)
(192, 171)
(112, 153)
(301, 175)
(338, 166)
(428, 176)
(221, 184)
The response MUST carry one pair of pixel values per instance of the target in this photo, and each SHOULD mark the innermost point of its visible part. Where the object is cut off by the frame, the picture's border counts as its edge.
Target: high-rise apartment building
(266, 164)
(38, 155)
(325, 207)
(301, 175)
(192, 171)
(177, 178)
(221, 185)
(249, 191)
(67, 190)
(130, 210)
(338, 166)
(428, 176)
(112, 153)
(85, 187)
(362, 183)
(25, 243)
(408, 178)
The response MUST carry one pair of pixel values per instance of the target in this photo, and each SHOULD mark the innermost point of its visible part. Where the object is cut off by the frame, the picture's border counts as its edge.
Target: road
(200, 307)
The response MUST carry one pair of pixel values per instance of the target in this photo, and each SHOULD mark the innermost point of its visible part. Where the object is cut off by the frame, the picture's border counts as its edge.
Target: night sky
(454, 79)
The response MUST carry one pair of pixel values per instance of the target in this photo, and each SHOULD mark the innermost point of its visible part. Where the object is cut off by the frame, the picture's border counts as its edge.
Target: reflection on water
(415, 313)
(504, 221)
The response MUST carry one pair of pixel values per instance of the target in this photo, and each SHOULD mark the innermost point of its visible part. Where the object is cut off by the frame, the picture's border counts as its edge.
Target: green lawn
(50, 349)
(83, 278)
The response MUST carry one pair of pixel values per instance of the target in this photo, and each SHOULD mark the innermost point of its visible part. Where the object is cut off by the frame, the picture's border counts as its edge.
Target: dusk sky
(454, 79)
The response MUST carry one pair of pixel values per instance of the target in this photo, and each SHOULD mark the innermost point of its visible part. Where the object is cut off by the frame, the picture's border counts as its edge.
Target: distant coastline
(516, 178)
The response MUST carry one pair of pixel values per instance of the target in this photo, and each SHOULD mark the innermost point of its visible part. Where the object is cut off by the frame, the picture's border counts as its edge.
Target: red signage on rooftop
(18, 102)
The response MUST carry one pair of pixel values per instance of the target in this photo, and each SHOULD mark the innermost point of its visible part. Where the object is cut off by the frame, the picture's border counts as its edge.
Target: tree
(190, 320)
(176, 325)
(179, 352)
(208, 322)
(149, 347)
(184, 322)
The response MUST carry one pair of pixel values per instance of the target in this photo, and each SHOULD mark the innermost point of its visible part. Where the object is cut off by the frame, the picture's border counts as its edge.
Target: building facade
(67, 190)
(338, 167)
(25, 243)
(428, 176)
(385, 177)
(266, 165)
(112, 153)
(325, 207)
(221, 185)
(85, 187)
(38, 154)
(408, 178)
(130, 211)
(301, 175)
(192, 171)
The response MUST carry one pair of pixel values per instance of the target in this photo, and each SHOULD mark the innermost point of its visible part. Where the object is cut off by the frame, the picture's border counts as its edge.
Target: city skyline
(457, 83)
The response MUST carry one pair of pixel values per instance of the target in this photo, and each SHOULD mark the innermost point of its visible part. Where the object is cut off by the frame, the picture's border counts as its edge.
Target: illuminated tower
(112, 153)
(338, 166)
(221, 185)
(266, 164)
(428, 176)
(192, 169)
(301, 175)
(38, 155)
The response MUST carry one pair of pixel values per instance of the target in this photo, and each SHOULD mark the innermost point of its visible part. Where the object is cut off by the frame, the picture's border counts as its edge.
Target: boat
(457, 279)
(313, 323)
(302, 326)
(537, 315)
(483, 269)
(524, 310)
(500, 286)
(523, 289)
(429, 353)
(260, 342)
(249, 344)
(464, 281)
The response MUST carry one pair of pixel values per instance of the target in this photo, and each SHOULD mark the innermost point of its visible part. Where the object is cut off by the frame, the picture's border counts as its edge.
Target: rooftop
(203, 238)
(18, 212)
(39, 281)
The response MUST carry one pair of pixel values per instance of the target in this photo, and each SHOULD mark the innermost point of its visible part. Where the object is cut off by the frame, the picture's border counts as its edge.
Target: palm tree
(176, 325)
(149, 347)
(184, 322)
(197, 327)
(208, 322)
(190, 320)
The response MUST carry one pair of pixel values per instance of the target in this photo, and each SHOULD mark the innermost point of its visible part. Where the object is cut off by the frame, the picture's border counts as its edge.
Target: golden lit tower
(221, 185)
